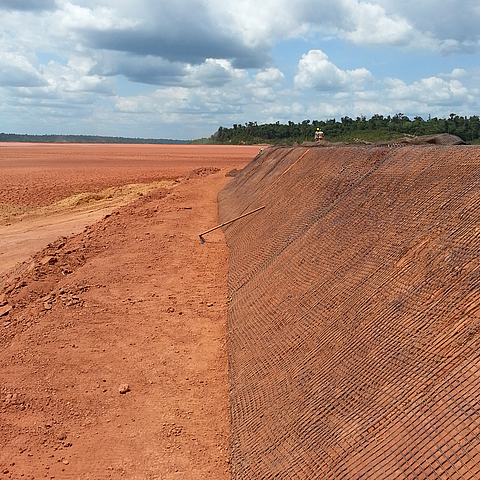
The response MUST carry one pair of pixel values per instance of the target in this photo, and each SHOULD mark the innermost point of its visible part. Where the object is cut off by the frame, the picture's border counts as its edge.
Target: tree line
(377, 128)
(14, 137)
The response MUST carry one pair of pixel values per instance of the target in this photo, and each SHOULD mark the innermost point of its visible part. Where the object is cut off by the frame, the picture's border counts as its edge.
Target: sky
(179, 69)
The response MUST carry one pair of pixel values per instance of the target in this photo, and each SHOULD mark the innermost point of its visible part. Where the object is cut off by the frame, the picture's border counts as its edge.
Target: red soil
(34, 177)
(40, 174)
(134, 299)
(354, 321)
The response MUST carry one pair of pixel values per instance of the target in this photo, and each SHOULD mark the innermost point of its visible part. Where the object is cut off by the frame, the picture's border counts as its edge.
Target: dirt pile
(201, 172)
(444, 139)
(354, 322)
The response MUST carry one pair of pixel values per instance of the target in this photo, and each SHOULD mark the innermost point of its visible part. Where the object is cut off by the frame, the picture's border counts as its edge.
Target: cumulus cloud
(452, 26)
(269, 77)
(372, 26)
(185, 31)
(438, 96)
(445, 26)
(432, 91)
(214, 62)
(191, 31)
(52, 84)
(317, 72)
(213, 73)
(157, 71)
(145, 69)
(357, 21)
(265, 85)
(17, 71)
(79, 19)
(188, 107)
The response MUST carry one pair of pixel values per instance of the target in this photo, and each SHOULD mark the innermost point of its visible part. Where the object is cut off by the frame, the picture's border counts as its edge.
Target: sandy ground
(23, 234)
(112, 340)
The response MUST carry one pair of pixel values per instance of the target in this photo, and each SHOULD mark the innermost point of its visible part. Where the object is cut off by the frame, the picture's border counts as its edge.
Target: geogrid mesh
(354, 325)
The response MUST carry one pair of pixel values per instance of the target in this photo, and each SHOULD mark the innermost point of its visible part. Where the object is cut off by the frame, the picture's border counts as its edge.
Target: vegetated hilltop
(377, 128)
(14, 137)
(354, 322)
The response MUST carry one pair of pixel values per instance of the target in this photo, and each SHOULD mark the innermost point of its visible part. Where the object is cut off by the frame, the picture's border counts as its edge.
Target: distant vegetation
(13, 137)
(377, 128)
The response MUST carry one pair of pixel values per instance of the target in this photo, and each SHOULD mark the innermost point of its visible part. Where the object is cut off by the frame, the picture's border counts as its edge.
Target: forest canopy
(377, 128)
(14, 137)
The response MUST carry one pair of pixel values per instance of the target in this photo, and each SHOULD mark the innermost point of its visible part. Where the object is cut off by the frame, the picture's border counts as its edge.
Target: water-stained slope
(354, 325)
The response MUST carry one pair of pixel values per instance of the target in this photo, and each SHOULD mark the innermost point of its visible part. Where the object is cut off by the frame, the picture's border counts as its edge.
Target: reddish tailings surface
(55, 189)
(41, 174)
(124, 298)
(354, 323)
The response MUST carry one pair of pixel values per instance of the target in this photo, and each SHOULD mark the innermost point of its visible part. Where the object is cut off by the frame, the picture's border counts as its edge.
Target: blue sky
(180, 69)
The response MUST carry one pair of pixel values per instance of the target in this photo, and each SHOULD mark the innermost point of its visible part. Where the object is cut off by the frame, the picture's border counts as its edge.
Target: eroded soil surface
(112, 340)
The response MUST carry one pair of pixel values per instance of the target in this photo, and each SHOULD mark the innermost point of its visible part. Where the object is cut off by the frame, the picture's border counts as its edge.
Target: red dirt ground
(134, 299)
(54, 189)
(354, 325)
(40, 174)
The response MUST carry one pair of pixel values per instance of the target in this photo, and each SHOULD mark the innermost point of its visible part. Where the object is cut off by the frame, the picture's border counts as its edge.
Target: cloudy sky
(181, 68)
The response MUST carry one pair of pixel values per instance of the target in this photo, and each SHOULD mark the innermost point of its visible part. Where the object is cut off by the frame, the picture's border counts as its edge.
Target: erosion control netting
(354, 325)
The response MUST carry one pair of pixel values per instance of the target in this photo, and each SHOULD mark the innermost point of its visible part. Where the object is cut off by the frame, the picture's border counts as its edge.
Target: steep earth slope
(354, 323)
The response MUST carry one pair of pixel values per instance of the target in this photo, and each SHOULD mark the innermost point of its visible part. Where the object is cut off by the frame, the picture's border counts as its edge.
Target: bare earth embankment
(354, 326)
(133, 299)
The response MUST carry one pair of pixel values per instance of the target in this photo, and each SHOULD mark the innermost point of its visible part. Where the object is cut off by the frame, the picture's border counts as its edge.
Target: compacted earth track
(112, 341)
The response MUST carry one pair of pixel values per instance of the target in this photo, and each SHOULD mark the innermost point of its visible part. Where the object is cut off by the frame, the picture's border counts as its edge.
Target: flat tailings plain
(354, 323)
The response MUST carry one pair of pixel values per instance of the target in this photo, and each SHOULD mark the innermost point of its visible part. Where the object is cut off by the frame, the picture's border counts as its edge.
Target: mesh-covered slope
(354, 326)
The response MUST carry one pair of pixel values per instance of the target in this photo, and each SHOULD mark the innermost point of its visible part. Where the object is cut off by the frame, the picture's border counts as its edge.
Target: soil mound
(354, 322)
(444, 139)
(201, 172)
(232, 173)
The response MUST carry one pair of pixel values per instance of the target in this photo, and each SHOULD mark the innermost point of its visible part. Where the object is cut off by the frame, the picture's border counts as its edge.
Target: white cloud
(76, 77)
(269, 77)
(452, 25)
(360, 22)
(372, 26)
(212, 73)
(265, 85)
(457, 73)
(74, 17)
(438, 96)
(431, 91)
(317, 72)
(17, 71)
(211, 62)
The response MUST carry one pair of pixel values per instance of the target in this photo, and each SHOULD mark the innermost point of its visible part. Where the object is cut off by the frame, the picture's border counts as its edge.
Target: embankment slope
(354, 326)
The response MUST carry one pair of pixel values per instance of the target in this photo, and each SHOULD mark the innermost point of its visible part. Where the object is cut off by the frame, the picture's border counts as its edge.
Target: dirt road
(112, 357)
